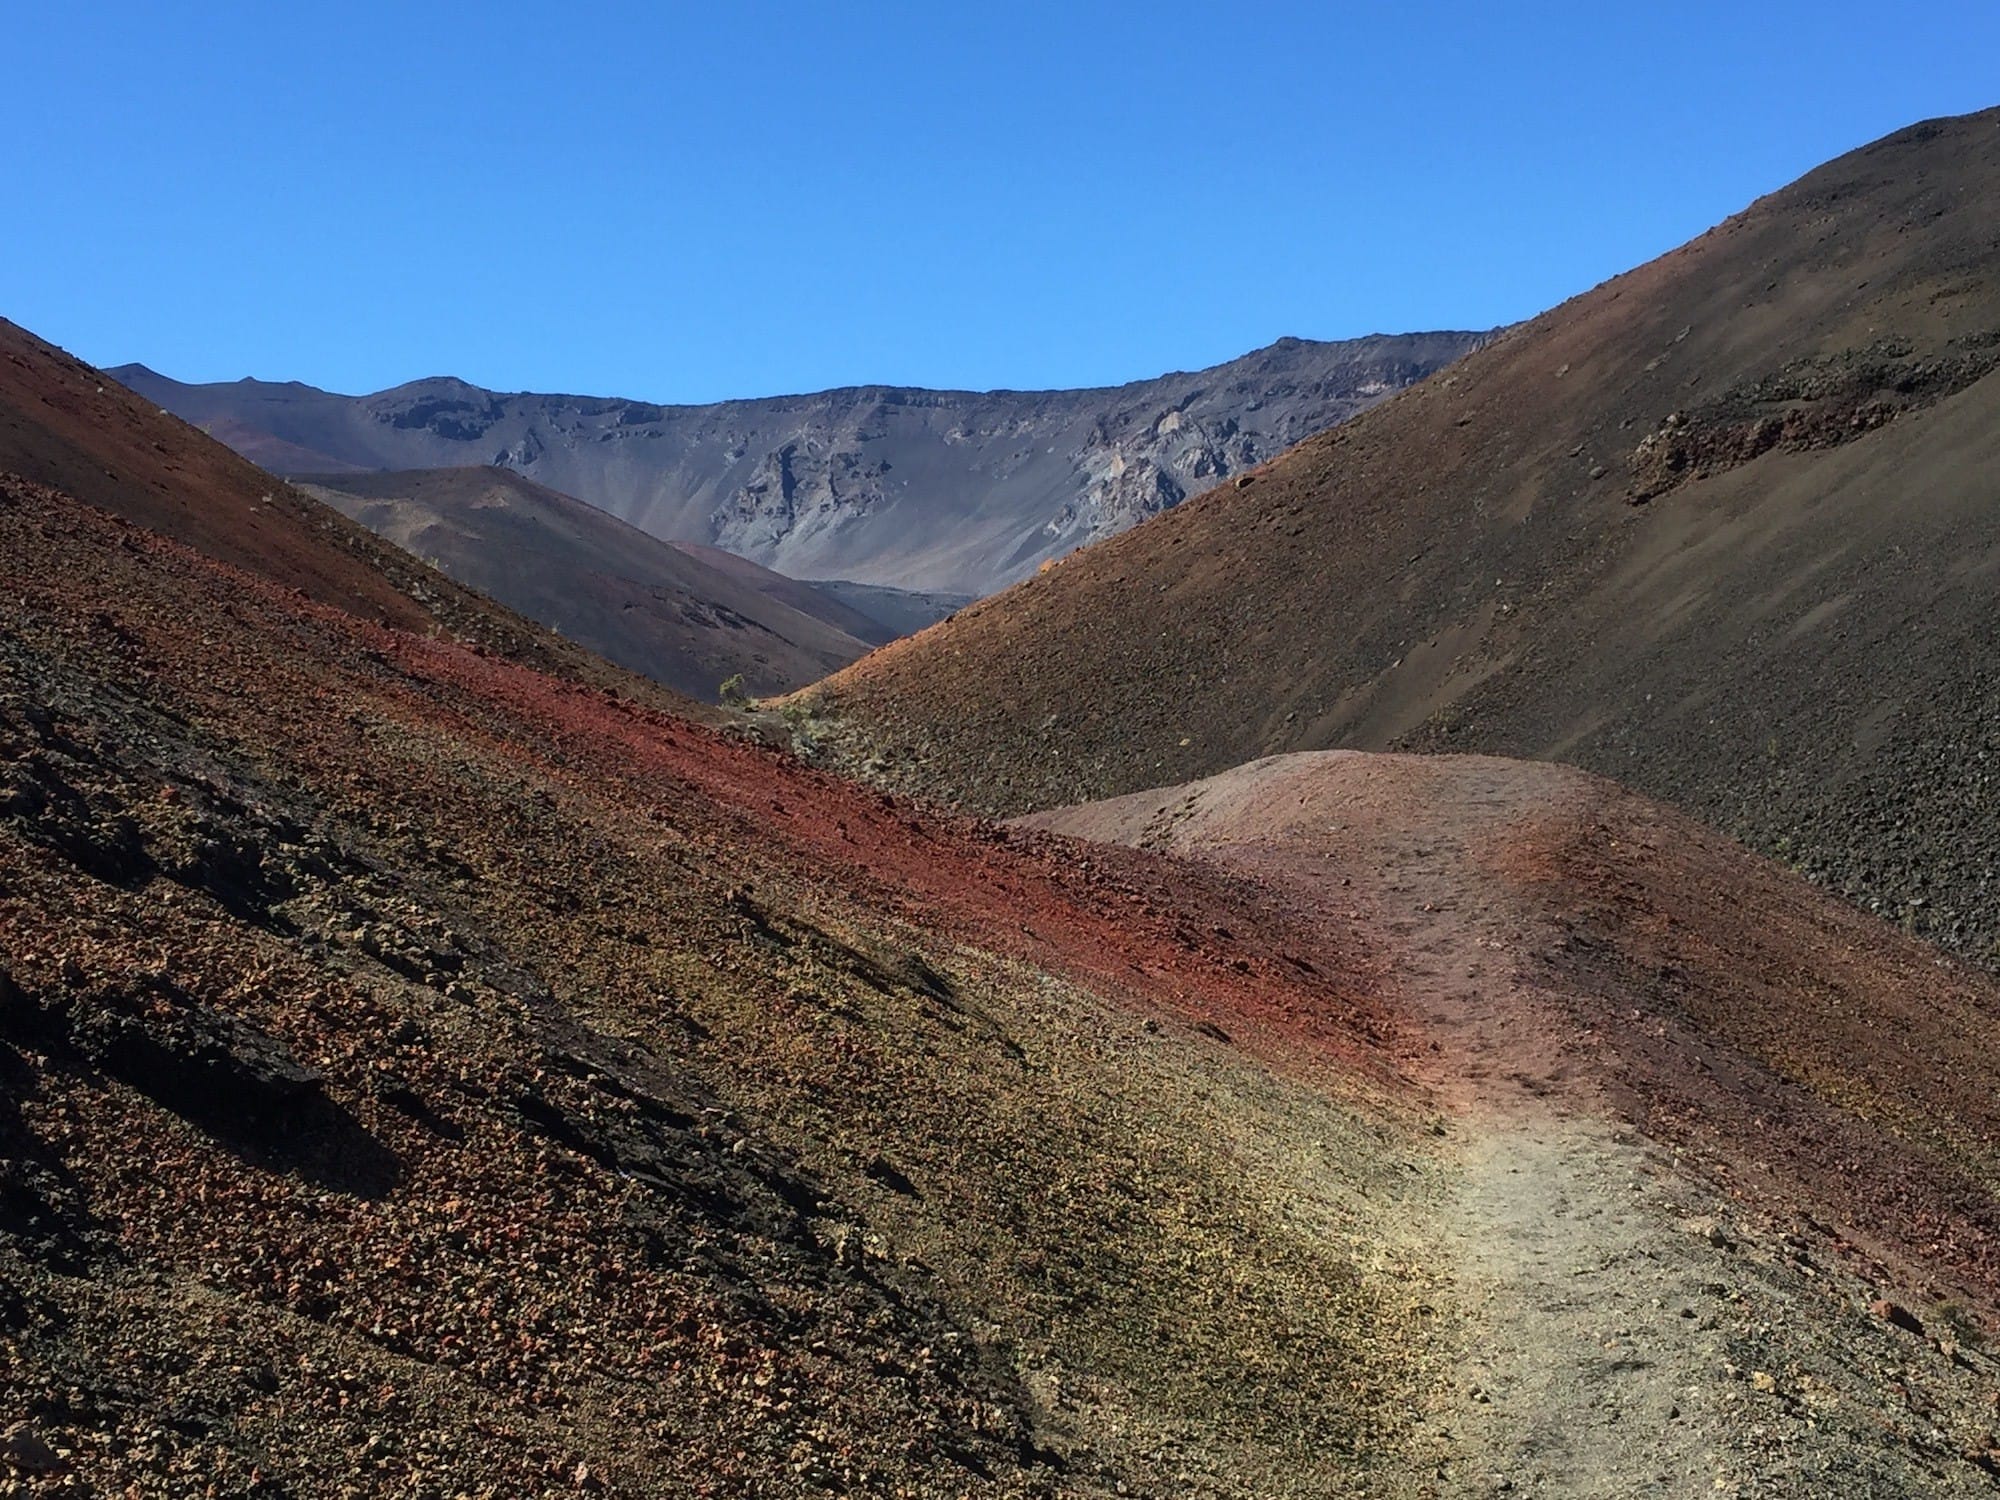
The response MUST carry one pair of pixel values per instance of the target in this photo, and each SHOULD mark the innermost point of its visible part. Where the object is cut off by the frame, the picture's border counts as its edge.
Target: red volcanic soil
(73, 428)
(1190, 939)
(1159, 931)
(1722, 528)
(1546, 934)
(546, 975)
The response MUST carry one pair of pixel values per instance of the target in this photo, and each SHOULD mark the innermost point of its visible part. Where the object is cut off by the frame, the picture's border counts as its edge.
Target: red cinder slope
(1555, 935)
(69, 426)
(428, 1070)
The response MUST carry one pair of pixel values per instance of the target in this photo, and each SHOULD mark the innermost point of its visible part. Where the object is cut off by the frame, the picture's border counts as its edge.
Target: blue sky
(687, 202)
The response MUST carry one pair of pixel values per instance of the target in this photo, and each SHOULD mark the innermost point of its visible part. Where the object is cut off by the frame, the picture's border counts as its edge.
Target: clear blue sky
(689, 201)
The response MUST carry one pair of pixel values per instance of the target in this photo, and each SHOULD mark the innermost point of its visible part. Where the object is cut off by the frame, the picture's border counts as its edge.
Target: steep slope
(942, 491)
(65, 424)
(421, 1072)
(1723, 527)
(687, 620)
(426, 1074)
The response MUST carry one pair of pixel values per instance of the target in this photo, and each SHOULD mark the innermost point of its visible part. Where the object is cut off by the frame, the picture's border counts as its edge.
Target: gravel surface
(1709, 1234)
(428, 1077)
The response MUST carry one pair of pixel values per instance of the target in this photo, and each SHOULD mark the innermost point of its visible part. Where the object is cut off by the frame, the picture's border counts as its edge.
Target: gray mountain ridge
(946, 491)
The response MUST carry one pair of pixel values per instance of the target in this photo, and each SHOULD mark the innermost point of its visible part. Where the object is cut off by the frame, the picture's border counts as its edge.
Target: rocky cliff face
(943, 490)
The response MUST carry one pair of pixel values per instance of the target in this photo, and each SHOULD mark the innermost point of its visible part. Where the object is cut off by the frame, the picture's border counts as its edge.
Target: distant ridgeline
(949, 491)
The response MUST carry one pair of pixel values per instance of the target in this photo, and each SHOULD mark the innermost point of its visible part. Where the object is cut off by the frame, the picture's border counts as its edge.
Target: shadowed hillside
(1724, 527)
(685, 619)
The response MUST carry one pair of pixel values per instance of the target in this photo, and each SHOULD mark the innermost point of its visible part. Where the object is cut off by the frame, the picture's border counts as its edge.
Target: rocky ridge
(942, 491)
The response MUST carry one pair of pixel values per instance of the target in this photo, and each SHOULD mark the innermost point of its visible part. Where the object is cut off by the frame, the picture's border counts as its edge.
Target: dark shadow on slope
(236, 1083)
(718, 1194)
(60, 793)
(42, 1209)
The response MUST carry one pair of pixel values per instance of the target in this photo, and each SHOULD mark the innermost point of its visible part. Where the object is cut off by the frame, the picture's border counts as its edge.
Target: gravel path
(1634, 1321)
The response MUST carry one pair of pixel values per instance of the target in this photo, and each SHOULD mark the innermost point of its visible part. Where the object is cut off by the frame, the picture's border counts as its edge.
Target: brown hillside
(1724, 527)
(69, 426)
(423, 1074)
(682, 619)
(807, 598)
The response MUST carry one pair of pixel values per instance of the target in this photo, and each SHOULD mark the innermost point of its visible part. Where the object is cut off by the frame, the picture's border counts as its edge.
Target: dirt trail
(1582, 1378)
(1628, 1329)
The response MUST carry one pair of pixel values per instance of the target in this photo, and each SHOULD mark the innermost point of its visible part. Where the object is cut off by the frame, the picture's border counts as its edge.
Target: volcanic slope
(1700, 1107)
(686, 620)
(1725, 527)
(422, 1072)
(70, 426)
(944, 491)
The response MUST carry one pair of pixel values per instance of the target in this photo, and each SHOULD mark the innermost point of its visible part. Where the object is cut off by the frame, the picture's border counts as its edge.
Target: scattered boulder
(1896, 1316)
